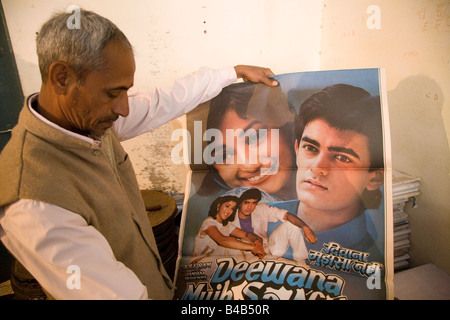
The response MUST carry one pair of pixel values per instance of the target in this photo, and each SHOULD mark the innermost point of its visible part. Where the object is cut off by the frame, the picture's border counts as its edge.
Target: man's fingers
(256, 74)
(270, 82)
(311, 239)
(269, 73)
(265, 78)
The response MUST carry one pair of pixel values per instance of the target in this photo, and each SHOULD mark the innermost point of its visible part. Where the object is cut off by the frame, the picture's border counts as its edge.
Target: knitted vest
(98, 183)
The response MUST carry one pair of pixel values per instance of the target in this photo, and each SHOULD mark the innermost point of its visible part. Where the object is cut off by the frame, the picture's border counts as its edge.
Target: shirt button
(96, 152)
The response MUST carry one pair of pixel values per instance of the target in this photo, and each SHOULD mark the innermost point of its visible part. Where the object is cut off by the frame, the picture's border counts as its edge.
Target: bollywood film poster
(289, 191)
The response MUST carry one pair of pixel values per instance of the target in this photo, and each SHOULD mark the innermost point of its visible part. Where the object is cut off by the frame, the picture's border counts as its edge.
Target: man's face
(93, 106)
(247, 207)
(333, 167)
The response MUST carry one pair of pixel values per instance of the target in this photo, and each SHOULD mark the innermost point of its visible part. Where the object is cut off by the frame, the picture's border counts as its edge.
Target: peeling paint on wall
(150, 154)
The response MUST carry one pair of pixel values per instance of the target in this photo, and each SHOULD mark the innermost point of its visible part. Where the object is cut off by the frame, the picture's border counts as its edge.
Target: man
(69, 197)
(339, 151)
(255, 217)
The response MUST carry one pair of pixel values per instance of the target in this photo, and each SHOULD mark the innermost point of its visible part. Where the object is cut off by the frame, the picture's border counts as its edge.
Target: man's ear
(376, 179)
(59, 77)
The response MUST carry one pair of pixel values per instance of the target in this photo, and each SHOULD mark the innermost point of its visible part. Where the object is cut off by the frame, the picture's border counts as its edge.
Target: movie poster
(289, 191)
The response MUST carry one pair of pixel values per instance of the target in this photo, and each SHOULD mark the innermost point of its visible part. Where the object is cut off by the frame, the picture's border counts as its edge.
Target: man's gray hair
(81, 49)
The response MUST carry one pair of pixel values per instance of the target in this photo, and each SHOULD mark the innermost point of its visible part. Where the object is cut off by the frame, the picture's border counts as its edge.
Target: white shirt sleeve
(53, 244)
(273, 214)
(151, 109)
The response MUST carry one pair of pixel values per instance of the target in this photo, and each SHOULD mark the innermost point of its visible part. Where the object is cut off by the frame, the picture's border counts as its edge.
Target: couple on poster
(304, 167)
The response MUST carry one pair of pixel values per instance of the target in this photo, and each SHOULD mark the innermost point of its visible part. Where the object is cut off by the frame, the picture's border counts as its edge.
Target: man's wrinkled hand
(256, 74)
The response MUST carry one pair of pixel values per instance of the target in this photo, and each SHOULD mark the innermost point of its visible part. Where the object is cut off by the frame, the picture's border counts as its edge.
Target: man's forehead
(323, 130)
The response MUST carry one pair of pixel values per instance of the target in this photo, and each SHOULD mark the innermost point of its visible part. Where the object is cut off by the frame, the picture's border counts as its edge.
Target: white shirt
(261, 216)
(49, 240)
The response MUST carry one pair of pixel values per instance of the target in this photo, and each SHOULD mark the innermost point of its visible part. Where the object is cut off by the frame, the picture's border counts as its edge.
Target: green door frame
(11, 94)
(11, 102)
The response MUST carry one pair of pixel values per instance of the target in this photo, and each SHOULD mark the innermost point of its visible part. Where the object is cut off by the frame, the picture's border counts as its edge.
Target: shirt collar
(33, 98)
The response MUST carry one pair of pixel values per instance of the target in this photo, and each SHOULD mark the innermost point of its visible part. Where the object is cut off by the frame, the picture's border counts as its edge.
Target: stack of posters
(405, 189)
(289, 191)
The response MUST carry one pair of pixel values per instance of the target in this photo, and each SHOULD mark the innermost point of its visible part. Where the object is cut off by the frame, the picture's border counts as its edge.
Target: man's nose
(321, 166)
(121, 105)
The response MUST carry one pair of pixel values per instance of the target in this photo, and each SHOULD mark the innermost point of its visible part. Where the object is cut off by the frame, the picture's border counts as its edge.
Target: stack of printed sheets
(405, 189)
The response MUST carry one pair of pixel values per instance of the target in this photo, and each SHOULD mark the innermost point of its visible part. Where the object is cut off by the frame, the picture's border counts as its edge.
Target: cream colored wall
(174, 37)
(413, 45)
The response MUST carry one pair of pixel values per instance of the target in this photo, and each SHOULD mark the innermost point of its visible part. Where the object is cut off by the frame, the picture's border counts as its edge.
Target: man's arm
(310, 236)
(151, 109)
(227, 241)
(258, 249)
(48, 240)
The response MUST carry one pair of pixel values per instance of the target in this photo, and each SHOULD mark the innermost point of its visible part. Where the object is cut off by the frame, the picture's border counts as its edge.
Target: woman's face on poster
(263, 161)
(225, 210)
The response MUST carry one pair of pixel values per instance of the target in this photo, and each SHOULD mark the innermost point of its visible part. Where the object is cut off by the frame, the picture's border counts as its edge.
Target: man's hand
(256, 74)
(310, 236)
(258, 250)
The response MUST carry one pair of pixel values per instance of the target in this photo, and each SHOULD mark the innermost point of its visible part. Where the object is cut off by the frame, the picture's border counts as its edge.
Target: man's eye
(310, 148)
(112, 95)
(343, 158)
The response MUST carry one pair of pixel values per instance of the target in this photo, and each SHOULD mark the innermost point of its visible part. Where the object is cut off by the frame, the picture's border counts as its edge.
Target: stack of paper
(405, 189)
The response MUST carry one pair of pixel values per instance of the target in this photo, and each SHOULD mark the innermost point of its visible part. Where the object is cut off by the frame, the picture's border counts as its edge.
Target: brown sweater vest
(98, 183)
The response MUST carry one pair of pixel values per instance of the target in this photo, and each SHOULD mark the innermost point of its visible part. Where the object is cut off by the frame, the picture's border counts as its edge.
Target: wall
(173, 37)
(412, 44)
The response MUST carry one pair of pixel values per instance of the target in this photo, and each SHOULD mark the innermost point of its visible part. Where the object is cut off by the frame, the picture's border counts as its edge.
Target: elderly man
(69, 196)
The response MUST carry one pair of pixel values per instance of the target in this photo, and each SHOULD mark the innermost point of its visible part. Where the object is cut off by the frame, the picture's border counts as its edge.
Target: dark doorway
(11, 101)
